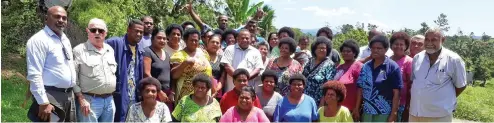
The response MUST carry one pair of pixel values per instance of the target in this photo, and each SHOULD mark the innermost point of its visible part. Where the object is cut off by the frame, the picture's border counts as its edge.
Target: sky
(470, 16)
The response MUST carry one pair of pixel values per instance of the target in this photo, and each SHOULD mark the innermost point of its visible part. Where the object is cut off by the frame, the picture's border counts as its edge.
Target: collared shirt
(145, 41)
(377, 86)
(433, 91)
(95, 69)
(237, 57)
(365, 52)
(123, 57)
(47, 64)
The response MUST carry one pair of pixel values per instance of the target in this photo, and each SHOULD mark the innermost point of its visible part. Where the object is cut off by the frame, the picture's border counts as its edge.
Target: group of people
(182, 74)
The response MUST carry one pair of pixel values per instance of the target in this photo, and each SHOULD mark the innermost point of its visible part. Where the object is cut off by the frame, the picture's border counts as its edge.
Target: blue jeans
(102, 109)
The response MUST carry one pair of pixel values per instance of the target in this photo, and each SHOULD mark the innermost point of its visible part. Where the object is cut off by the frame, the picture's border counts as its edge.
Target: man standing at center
(128, 55)
(241, 55)
(95, 67)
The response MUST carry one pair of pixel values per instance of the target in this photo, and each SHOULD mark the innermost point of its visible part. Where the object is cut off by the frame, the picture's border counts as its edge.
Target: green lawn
(477, 103)
(13, 91)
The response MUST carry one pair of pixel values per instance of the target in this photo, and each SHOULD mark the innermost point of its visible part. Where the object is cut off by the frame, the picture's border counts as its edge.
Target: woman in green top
(334, 93)
(198, 107)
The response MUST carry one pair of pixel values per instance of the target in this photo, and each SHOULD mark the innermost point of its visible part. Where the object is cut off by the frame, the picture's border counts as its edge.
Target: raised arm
(194, 16)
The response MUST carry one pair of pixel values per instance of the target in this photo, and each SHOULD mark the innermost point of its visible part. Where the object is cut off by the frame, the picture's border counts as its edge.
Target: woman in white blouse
(149, 109)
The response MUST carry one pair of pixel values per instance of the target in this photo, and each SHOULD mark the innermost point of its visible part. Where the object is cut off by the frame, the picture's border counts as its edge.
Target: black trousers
(62, 101)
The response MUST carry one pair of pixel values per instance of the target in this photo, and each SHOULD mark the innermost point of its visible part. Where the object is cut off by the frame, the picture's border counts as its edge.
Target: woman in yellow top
(188, 62)
(334, 93)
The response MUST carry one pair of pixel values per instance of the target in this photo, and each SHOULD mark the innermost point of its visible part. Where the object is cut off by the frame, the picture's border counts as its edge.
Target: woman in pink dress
(348, 72)
(245, 111)
(400, 42)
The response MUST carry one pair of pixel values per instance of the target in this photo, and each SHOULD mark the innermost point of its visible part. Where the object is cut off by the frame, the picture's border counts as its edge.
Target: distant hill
(314, 31)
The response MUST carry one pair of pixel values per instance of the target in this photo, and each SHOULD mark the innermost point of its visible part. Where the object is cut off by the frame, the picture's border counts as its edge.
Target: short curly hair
(171, 27)
(189, 32)
(202, 77)
(149, 81)
(269, 73)
(184, 24)
(239, 72)
(297, 76)
(290, 42)
(352, 44)
(326, 30)
(400, 35)
(229, 32)
(337, 87)
(288, 30)
(381, 39)
(321, 40)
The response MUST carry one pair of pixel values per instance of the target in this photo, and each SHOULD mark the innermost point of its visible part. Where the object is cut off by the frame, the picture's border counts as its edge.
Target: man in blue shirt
(128, 55)
(379, 85)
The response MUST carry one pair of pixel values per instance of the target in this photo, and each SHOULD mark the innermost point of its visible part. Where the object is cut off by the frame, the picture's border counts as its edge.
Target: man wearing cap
(95, 67)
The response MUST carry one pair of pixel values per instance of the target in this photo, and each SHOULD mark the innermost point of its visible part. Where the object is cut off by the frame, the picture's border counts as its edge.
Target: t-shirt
(230, 99)
(160, 69)
(256, 115)
(378, 84)
(145, 41)
(305, 111)
(343, 115)
(269, 104)
(405, 64)
(188, 111)
(348, 74)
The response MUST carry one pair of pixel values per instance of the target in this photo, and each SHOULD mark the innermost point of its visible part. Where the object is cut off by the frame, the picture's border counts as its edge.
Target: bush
(476, 103)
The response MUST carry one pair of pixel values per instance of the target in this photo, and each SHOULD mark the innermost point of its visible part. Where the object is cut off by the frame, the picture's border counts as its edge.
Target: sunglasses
(94, 30)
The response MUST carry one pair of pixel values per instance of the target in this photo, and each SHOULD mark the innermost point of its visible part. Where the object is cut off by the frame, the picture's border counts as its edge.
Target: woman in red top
(230, 99)
(348, 72)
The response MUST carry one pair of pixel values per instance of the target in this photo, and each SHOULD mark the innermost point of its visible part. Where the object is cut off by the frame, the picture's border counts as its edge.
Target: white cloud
(329, 12)
(366, 14)
(288, 9)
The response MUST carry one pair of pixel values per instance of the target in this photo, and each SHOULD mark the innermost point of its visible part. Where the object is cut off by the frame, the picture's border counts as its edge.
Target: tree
(442, 22)
(346, 28)
(423, 29)
(267, 21)
(485, 37)
(371, 26)
(298, 33)
(410, 32)
(240, 11)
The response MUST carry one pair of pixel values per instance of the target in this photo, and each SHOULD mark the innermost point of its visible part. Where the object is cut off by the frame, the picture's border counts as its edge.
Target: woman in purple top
(400, 41)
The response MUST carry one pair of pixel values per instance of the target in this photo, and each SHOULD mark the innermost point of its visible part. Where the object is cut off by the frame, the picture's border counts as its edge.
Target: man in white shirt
(365, 51)
(50, 71)
(241, 55)
(439, 77)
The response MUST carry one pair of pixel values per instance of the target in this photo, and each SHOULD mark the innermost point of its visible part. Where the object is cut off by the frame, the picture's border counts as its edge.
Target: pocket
(440, 78)
(381, 77)
(93, 69)
(112, 65)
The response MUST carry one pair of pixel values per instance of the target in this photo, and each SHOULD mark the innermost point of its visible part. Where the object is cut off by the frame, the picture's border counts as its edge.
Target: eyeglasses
(94, 30)
(65, 53)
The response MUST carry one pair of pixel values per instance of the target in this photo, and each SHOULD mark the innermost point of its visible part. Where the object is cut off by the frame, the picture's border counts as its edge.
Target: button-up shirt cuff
(41, 97)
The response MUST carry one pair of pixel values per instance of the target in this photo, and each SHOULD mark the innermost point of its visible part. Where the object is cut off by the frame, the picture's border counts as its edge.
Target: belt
(65, 90)
(99, 95)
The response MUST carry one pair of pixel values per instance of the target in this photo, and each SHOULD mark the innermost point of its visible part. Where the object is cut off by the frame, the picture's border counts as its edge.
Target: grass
(477, 103)
(13, 91)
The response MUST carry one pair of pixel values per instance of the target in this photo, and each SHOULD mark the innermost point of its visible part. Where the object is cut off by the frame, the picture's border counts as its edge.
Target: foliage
(240, 11)
(357, 34)
(19, 23)
(371, 26)
(266, 23)
(476, 104)
(442, 22)
(423, 29)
